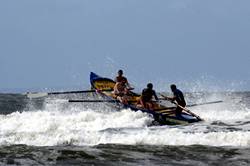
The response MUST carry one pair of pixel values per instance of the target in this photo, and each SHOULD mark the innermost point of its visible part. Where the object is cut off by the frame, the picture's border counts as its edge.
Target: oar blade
(36, 95)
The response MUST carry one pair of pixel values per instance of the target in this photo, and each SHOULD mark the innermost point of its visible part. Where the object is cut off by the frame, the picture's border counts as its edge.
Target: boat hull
(162, 115)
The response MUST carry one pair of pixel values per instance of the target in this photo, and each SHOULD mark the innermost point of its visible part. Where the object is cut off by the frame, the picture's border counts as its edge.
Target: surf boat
(162, 115)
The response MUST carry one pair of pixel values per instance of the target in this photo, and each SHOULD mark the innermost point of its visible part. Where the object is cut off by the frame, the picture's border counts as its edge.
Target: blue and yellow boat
(163, 115)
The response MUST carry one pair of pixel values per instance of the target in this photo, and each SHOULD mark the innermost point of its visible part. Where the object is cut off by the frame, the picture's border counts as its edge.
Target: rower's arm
(172, 99)
(156, 98)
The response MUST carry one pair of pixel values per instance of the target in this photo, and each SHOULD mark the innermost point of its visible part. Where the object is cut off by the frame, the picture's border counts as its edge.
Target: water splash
(57, 122)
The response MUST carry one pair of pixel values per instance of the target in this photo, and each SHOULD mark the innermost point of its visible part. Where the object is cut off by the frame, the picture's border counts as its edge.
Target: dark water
(48, 132)
(124, 155)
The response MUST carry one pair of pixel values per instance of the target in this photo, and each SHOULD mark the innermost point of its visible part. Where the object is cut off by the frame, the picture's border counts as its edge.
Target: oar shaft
(188, 111)
(68, 92)
(96, 101)
(212, 102)
(91, 101)
(41, 94)
(185, 109)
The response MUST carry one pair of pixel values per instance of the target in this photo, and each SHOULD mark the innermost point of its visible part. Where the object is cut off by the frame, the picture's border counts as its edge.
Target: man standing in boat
(146, 97)
(178, 97)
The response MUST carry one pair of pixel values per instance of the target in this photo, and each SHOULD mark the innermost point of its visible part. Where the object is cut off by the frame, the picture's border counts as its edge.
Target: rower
(121, 92)
(178, 97)
(146, 97)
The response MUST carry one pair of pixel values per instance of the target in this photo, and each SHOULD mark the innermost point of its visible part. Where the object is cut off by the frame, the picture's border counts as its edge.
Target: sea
(51, 131)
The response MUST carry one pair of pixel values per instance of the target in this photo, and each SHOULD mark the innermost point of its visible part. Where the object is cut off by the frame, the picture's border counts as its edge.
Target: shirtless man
(120, 78)
(121, 91)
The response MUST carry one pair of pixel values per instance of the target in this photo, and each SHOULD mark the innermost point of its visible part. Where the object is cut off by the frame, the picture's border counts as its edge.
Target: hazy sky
(54, 44)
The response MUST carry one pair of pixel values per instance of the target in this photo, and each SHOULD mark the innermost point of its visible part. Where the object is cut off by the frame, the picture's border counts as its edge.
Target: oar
(197, 104)
(43, 94)
(92, 101)
(185, 109)
(188, 111)
(211, 102)
(96, 101)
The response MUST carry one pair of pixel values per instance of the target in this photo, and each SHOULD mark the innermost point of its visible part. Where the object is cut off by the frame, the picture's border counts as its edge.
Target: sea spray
(48, 128)
(58, 122)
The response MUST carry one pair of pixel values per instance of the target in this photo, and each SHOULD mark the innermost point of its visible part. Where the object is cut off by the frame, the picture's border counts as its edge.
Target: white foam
(177, 137)
(222, 115)
(89, 127)
(44, 128)
(230, 109)
(60, 123)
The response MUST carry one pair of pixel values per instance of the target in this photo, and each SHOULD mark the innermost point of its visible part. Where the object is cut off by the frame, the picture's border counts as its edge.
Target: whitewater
(55, 122)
